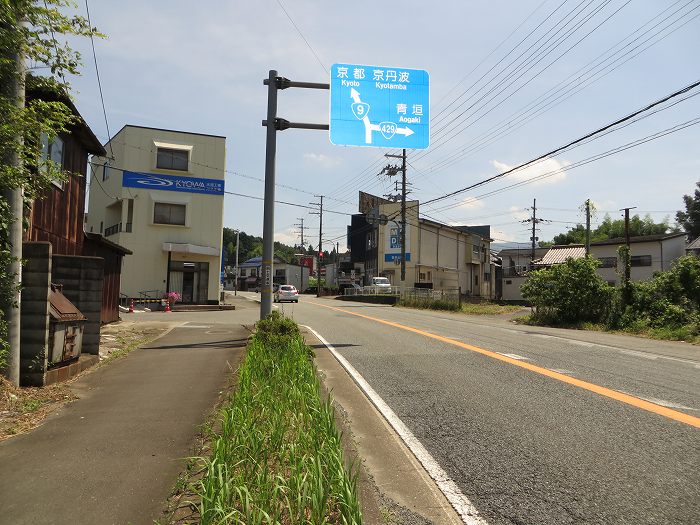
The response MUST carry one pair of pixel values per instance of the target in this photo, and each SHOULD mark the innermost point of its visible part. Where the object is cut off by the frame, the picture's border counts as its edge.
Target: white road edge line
(461, 504)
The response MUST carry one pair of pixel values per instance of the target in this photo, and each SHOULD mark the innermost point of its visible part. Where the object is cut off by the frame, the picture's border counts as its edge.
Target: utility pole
(14, 90)
(320, 240)
(627, 292)
(535, 221)
(391, 171)
(235, 270)
(301, 230)
(588, 227)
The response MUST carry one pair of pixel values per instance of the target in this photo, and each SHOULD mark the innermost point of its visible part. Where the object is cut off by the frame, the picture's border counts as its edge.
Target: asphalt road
(598, 429)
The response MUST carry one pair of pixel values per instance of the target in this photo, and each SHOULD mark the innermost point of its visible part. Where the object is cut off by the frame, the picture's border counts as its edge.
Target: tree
(28, 30)
(689, 219)
(611, 229)
(571, 292)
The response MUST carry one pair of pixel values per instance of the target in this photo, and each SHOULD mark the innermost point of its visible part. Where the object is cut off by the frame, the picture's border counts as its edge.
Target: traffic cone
(131, 306)
(167, 306)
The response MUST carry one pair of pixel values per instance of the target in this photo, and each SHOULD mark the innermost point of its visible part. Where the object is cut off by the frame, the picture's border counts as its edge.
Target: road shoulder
(392, 475)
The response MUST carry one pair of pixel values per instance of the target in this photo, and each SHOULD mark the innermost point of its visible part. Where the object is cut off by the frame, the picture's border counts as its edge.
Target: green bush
(569, 293)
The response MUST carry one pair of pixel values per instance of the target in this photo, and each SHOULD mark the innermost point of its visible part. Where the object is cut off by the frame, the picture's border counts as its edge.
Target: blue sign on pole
(152, 181)
(379, 107)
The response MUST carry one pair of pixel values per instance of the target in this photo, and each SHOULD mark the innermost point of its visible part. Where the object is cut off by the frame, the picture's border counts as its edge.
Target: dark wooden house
(58, 218)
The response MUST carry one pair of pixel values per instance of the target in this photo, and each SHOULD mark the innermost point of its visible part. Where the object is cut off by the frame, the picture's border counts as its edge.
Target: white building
(162, 197)
(649, 254)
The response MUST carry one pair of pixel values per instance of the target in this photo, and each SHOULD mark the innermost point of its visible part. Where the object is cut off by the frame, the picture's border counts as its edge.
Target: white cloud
(471, 203)
(288, 237)
(519, 213)
(552, 170)
(502, 236)
(325, 161)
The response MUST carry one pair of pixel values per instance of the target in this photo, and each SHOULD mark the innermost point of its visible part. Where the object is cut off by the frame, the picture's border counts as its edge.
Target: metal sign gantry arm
(274, 83)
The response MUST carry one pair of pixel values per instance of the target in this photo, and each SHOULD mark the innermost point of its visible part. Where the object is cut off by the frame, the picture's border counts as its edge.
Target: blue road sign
(379, 107)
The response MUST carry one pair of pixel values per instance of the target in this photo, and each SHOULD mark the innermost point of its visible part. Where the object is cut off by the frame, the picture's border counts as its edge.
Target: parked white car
(286, 292)
(380, 285)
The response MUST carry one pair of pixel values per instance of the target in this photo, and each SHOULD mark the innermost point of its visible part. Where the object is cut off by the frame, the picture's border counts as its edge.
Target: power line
(573, 142)
(576, 82)
(588, 160)
(99, 83)
(226, 192)
(303, 37)
(450, 135)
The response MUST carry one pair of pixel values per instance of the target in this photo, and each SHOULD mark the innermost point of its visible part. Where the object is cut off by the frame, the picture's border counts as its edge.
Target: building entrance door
(188, 287)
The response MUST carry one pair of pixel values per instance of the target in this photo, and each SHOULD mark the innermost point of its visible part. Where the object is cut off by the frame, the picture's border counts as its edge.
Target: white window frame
(164, 198)
(46, 156)
(178, 147)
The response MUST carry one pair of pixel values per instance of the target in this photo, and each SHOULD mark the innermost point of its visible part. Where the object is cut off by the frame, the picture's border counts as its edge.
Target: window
(421, 276)
(608, 262)
(641, 260)
(242, 272)
(172, 159)
(52, 151)
(509, 281)
(476, 249)
(476, 280)
(105, 170)
(164, 213)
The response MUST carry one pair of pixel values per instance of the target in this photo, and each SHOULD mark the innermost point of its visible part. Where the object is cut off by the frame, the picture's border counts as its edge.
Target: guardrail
(447, 294)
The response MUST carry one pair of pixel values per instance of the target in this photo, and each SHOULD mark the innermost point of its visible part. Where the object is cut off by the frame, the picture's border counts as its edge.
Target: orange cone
(167, 306)
(131, 306)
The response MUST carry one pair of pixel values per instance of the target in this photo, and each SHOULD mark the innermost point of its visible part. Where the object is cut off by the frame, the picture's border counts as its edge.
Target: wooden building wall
(112, 278)
(58, 217)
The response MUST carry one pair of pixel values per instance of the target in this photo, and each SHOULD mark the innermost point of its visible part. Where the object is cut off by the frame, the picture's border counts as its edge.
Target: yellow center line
(592, 387)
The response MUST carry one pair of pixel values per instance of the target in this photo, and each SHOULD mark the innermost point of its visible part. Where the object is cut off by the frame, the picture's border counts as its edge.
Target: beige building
(438, 256)
(649, 254)
(162, 197)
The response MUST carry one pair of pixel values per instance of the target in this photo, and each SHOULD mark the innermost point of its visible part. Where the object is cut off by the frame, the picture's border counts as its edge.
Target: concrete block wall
(82, 280)
(34, 337)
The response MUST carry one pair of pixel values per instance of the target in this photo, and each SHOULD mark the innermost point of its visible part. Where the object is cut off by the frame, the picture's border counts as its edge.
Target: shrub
(569, 293)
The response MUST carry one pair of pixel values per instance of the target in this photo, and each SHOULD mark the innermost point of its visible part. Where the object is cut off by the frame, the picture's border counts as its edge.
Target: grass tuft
(277, 456)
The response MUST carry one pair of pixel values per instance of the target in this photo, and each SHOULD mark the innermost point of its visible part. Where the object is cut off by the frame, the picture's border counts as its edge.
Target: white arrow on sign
(405, 131)
(369, 127)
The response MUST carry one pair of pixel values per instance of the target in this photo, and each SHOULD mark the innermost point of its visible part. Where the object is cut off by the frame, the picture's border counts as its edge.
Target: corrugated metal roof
(695, 245)
(559, 254)
(61, 309)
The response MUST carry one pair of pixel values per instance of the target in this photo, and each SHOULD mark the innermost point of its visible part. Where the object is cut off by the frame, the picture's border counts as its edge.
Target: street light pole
(235, 268)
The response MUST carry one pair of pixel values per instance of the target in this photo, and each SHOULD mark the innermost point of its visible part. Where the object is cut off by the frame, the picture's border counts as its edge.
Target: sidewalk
(114, 455)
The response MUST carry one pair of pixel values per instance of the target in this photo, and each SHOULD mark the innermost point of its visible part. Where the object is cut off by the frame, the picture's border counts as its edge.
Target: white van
(380, 285)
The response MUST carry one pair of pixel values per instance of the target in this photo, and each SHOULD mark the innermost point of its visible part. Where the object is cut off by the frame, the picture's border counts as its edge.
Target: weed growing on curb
(278, 457)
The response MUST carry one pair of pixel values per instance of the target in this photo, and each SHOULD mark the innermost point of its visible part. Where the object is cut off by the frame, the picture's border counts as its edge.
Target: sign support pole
(269, 203)
(273, 124)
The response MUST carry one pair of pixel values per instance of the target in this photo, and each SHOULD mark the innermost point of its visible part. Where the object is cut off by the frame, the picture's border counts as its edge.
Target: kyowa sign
(152, 181)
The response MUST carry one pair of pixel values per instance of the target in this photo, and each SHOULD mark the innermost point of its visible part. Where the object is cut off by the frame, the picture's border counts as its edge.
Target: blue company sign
(152, 181)
(379, 107)
(393, 257)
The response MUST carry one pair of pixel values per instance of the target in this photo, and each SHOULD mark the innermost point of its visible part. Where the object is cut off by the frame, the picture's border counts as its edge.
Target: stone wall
(36, 279)
(82, 279)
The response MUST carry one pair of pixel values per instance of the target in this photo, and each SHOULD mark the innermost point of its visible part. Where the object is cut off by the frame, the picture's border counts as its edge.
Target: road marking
(195, 326)
(591, 387)
(561, 371)
(514, 356)
(449, 488)
(662, 402)
(643, 355)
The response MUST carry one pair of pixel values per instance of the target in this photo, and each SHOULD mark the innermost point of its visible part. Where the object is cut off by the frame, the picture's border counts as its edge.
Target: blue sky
(199, 66)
